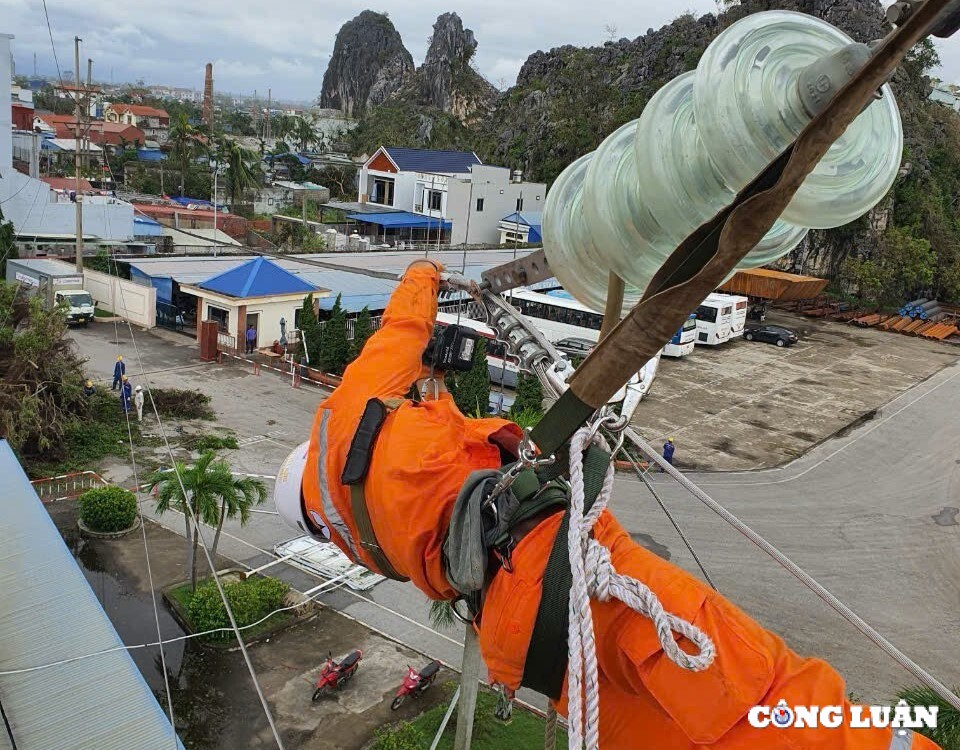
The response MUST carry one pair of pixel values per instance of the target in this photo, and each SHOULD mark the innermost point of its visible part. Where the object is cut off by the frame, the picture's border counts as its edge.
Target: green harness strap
(546, 662)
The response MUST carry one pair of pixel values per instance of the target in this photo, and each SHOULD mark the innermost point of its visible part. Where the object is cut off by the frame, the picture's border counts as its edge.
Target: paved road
(858, 513)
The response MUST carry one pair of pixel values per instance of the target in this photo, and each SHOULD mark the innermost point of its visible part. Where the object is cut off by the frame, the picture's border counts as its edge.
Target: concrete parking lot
(749, 405)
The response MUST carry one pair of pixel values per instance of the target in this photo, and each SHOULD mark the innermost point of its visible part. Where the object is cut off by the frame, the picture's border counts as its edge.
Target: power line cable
(193, 518)
(52, 45)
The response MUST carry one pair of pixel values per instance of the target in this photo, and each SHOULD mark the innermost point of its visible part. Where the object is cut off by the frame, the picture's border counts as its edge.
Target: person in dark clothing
(251, 339)
(89, 389)
(126, 394)
(118, 372)
(668, 448)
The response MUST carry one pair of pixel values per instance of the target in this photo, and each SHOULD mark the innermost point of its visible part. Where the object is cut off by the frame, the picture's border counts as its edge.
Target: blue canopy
(304, 161)
(400, 219)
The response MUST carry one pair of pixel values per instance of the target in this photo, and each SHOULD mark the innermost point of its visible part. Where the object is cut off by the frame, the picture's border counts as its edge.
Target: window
(434, 200)
(382, 192)
(707, 314)
(726, 311)
(741, 305)
(519, 204)
(222, 317)
(479, 205)
(690, 324)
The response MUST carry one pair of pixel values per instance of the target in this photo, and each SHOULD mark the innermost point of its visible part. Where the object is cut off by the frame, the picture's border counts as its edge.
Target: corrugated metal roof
(400, 219)
(257, 278)
(44, 265)
(48, 613)
(427, 160)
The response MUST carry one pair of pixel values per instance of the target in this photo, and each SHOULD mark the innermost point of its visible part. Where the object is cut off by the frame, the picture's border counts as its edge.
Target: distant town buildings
(452, 192)
(946, 94)
(155, 123)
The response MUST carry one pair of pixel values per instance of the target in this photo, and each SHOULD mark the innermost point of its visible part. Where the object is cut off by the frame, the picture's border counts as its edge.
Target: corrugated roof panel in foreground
(49, 613)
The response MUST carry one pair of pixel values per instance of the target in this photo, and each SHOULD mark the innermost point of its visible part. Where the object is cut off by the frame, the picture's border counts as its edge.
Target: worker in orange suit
(423, 454)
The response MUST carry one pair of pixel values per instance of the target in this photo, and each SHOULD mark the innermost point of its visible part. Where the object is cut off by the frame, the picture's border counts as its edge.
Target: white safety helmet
(288, 499)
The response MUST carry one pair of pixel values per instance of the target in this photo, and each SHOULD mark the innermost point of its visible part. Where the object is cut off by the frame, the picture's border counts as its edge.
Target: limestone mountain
(369, 63)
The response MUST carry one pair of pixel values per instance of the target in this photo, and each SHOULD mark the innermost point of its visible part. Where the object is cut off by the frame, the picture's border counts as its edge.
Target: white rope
(593, 574)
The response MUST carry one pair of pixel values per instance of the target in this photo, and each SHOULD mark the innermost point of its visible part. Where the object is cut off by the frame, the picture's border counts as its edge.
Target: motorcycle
(336, 674)
(415, 683)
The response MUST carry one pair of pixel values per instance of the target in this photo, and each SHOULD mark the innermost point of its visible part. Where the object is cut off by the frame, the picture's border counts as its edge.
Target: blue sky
(285, 44)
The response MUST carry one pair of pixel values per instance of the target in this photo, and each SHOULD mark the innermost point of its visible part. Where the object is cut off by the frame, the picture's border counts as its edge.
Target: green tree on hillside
(362, 330)
(334, 347)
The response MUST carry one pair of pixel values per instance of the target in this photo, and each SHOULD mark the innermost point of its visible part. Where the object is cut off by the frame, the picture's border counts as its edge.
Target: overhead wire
(194, 520)
(656, 496)
(799, 573)
(188, 636)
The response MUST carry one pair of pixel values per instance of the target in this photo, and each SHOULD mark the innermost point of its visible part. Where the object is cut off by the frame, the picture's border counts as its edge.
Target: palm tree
(304, 132)
(243, 170)
(213, 494)
(187, 144)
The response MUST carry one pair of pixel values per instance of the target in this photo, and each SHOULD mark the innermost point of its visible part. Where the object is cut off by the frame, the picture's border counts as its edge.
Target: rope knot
(599, 569)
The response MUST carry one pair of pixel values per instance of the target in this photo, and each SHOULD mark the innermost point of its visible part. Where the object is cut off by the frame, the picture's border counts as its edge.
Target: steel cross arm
(702, 261)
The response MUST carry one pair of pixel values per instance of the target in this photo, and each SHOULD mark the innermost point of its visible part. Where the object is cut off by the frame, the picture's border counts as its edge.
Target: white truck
(57, 282)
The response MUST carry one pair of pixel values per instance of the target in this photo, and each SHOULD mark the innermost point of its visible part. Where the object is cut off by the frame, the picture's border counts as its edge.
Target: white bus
(683, 340)
(502, 371)
(558, 317)
(720, 318)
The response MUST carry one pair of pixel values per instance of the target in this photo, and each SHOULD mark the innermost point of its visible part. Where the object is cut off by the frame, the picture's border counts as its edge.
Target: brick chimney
(208, 97)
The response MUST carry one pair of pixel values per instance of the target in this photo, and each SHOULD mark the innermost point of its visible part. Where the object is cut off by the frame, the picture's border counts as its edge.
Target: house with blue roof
(257, 293)
(447, 197)
(522, 227)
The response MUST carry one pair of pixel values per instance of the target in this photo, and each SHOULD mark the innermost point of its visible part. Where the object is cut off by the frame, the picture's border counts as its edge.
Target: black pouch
(361, 447)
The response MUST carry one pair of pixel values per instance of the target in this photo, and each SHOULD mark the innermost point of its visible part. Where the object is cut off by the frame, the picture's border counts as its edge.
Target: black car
(771, 335)
(575, 347)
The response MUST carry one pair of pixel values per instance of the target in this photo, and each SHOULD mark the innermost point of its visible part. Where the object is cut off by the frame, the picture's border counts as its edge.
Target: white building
(452, 187)
(946, 95)
(33, 207)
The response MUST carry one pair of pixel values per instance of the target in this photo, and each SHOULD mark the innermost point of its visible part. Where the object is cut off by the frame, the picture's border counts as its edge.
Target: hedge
(108, 509)
(250, 599)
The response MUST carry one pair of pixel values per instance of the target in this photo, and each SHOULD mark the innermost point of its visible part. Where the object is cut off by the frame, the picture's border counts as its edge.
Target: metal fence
(67, 485)
(170, 317)
(226, 342)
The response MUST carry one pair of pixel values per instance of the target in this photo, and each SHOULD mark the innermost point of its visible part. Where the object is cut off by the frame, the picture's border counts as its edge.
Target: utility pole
(269, 114)
(78, 205)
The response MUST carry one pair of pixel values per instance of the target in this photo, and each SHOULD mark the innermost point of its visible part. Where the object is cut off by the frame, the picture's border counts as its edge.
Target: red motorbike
(336, 674)
(416, 683)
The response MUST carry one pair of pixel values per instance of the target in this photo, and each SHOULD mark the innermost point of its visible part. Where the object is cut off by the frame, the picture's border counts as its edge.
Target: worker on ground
(138, 402)
(88, 388)
(251, 339)
(418, 462)
(119, 368)
(668, 449)
(126, 392)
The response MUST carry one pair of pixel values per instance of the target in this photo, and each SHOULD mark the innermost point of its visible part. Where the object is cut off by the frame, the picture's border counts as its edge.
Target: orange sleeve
(391, 359)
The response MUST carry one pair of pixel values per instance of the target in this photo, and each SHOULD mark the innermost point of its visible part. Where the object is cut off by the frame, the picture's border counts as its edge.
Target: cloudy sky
(285, 44)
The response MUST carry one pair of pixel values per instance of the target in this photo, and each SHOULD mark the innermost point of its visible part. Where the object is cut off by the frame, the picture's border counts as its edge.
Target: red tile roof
(67, 183)
(140, 110)
(155, 211)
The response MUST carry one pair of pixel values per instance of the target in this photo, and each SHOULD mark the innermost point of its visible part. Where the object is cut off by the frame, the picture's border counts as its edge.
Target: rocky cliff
(368, 65)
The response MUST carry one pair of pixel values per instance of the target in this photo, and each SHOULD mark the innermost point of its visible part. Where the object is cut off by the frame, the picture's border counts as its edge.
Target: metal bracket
(520, 272)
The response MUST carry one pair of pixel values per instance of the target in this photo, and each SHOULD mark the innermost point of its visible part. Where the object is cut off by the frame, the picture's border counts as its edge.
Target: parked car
(575, 347)
(771, 335)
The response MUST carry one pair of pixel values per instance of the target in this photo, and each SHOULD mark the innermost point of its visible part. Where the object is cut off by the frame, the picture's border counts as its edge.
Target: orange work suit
(422, 457)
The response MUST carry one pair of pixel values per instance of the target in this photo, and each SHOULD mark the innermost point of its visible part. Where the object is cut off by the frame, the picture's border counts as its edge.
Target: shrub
(204, 443)
(250, 600)
(181, 404)
(108, 509)
(404, 737)
(947, 732)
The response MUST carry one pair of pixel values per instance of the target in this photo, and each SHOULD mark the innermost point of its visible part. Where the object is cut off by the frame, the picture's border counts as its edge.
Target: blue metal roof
(288, 155)
(403, 219)
(257, 278)
(144, 226)
(426, 160)
(530, 218)
(150, 154)
(48, 614)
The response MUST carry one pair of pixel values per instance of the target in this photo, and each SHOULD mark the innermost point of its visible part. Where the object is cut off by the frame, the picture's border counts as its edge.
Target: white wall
(129, 300)
(268, 325)
(487, 182)
(6, 113)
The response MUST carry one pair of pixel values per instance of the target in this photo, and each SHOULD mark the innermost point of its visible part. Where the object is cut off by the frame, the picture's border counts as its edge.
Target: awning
(400, 219)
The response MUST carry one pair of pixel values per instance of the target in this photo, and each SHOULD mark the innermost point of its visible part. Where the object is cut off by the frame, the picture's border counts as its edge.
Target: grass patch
(203, 443)
(250, 599)
(177, 403)
(524, 732)
(98, 313)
